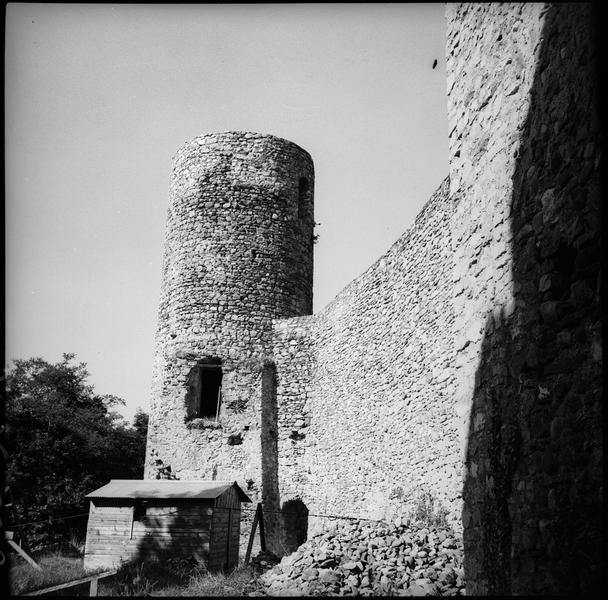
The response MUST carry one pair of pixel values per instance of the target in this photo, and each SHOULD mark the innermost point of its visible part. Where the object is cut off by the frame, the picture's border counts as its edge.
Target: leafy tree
(140, 422)
(63, 441)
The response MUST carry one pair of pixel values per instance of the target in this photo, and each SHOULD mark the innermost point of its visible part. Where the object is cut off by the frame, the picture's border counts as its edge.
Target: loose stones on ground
(365, 559)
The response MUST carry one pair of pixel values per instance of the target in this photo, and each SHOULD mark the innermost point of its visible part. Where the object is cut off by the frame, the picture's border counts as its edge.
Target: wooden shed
(158, 519)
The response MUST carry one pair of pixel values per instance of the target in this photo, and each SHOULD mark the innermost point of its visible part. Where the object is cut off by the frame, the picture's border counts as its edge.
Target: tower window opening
(204, 397)
(210, 391)
(302, 197)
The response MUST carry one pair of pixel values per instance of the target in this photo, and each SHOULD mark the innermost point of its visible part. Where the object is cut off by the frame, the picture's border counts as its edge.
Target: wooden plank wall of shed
(170, 528)
(220, 528)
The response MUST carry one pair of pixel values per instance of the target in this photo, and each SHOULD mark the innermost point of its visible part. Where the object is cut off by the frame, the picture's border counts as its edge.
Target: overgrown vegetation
(175, 577)
(428, 511)
(171, 577)
(63, 441)
(234, 583)
(423, 507)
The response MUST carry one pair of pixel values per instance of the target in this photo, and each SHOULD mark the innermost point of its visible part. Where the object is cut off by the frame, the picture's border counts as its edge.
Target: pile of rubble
(364, 558)
(263, 562)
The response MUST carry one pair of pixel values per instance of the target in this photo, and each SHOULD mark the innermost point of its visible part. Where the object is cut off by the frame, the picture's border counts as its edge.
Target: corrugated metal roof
(165, 488)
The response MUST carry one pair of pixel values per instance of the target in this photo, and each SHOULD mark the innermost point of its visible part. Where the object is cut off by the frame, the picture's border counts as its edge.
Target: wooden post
(132, 520)
(251, 536)
(219, 401)
(24, 554)
(91, 578)
(262, 535)
(23, 539)
(9, 504)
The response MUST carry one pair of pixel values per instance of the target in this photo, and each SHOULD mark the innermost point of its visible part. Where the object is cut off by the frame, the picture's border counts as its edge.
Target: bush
(428, 511)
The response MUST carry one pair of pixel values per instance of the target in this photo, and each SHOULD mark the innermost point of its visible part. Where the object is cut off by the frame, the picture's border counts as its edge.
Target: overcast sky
(98, 99)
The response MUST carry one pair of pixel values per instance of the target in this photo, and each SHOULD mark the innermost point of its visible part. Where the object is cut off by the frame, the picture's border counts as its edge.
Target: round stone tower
(238, 254)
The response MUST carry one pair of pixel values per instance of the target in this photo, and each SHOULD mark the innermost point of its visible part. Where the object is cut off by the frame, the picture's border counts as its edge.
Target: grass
(56, 569)
(174, 577)
(171, 577)
(234, 583)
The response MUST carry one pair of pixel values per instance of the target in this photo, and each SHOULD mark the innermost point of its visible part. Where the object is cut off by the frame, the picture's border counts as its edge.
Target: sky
(99, 97)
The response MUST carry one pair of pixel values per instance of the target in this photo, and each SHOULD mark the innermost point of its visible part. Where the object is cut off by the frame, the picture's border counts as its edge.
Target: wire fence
(309, 514)
(14, 526)
(48, 520)
(68, 535)
(65, 534)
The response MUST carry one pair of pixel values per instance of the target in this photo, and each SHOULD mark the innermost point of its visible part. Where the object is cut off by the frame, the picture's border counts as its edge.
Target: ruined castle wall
(524, 154)
(367, 384)
(488, 81)
(238, 253)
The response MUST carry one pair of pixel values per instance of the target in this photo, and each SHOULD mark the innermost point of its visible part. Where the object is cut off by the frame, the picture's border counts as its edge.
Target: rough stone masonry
(465, 363)
(522, 84)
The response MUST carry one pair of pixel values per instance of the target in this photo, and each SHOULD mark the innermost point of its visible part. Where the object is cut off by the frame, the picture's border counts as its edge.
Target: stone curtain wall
(490, 68)
(364, 387)
(238, 253)
(524, 158)
(465, 363)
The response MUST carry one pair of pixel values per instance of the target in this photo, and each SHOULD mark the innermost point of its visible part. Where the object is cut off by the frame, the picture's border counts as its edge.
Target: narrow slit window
(302, 197)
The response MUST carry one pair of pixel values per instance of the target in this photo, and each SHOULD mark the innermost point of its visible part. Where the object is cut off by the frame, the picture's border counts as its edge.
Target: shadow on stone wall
(532, 496)
(270, 461)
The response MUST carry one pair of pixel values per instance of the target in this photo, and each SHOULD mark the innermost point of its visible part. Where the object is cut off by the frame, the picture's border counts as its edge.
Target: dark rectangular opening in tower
(210, 390)
(303, 197)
